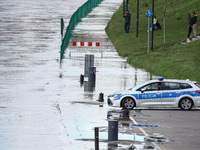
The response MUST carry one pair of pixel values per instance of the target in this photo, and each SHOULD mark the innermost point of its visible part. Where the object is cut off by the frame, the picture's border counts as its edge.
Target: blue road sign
(149, 13)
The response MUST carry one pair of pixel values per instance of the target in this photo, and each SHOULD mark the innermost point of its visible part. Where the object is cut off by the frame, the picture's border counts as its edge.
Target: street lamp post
(123, 7)
(137, 20)
(126, 5)
(152, 26)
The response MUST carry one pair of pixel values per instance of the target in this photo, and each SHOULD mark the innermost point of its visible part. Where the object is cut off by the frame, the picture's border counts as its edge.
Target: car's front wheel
(186, 104)
(128, 103)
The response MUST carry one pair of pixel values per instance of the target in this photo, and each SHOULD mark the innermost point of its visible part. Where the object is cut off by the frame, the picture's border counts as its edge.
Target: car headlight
(114, 96)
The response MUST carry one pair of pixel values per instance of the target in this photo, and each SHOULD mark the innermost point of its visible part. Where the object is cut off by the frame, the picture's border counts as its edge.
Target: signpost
(149, 14)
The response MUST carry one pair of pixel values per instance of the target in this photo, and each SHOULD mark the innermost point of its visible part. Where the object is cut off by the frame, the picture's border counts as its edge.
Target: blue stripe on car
(163, 95)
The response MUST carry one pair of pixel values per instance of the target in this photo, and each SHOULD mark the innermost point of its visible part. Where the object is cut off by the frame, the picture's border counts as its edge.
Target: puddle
(2, 107)
(157, 137)
(128, 141)
(125, 141)
(88, 103)
(130, 147)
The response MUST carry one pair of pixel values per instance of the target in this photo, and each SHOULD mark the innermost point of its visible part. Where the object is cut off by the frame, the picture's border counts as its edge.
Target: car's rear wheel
(186, 104)
(128, 103)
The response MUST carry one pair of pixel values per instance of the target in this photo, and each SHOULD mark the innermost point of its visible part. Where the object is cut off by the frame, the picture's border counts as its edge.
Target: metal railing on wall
(76, 17)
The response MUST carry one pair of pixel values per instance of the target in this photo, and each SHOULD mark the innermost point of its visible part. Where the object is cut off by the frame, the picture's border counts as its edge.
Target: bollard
(89, 62)
(92, 75)
(96, 136)
(101, 99)
(81, 79)
(112, 130)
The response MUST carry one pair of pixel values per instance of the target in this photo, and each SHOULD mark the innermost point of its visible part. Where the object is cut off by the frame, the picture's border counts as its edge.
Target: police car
(158, 93)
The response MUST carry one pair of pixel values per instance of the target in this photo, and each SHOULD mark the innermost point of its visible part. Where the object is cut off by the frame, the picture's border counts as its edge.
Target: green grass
(167, 60)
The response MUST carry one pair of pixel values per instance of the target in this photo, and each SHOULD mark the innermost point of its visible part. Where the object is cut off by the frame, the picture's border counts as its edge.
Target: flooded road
(41, 102)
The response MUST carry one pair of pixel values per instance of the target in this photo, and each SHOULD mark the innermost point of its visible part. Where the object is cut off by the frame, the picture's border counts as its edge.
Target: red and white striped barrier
(89, 44)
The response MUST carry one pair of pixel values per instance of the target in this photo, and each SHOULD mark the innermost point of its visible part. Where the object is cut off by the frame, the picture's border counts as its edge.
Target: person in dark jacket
(127, 22)
(189, 27)
(194, 23)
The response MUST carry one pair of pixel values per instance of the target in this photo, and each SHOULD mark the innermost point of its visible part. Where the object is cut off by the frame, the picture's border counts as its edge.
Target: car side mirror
(142, 90)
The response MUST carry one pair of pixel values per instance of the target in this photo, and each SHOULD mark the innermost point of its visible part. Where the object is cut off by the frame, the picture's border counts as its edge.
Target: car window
(197, 85)
(172, 86)
(151, 87)
(185, 86)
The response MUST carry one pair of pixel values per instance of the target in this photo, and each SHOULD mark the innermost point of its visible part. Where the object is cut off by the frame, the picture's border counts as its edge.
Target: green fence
(76, 17)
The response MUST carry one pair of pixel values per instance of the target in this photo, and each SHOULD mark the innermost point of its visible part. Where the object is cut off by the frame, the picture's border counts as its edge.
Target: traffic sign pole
(149, 14)
(148, 34)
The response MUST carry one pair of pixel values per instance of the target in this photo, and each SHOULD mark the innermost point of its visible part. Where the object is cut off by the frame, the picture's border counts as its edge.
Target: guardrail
(76, 17)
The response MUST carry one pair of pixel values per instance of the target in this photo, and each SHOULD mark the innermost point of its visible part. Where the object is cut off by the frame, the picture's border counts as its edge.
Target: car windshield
(138, 86)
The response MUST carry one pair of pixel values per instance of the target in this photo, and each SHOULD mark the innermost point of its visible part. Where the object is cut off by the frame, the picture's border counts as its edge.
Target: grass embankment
(167, 60)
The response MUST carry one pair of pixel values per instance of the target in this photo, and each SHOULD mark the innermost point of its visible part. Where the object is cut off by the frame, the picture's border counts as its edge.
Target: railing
(76, 17)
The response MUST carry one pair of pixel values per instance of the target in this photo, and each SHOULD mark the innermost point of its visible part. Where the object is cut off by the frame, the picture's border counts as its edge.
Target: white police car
(158, 93)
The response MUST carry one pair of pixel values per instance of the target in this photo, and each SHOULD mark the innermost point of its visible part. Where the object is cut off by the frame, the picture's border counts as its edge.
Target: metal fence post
(61, 28)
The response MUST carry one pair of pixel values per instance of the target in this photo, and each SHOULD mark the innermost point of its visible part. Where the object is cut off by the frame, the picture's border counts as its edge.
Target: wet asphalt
(180, 128)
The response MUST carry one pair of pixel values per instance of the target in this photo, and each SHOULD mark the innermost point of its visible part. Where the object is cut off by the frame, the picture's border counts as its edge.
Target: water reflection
(130, 139)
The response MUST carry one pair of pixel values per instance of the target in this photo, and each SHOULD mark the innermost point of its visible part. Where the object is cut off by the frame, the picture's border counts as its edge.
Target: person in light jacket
(194, 23)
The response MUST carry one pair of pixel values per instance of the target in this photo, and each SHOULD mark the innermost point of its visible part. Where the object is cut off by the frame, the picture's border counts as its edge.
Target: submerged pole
(96, 136)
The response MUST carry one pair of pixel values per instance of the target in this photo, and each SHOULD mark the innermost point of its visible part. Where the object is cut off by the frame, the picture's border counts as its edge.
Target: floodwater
(42, 104)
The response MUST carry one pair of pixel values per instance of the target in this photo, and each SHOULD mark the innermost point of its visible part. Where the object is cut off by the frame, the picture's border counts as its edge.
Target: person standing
(127, 22)
(194, 23)
(189, 27)
(155, 23)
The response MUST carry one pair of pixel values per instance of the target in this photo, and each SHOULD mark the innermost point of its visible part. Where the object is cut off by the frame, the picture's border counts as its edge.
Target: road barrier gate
(76, 17)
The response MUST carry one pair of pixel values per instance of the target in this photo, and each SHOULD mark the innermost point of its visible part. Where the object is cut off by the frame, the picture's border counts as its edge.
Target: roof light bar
(160, 78)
